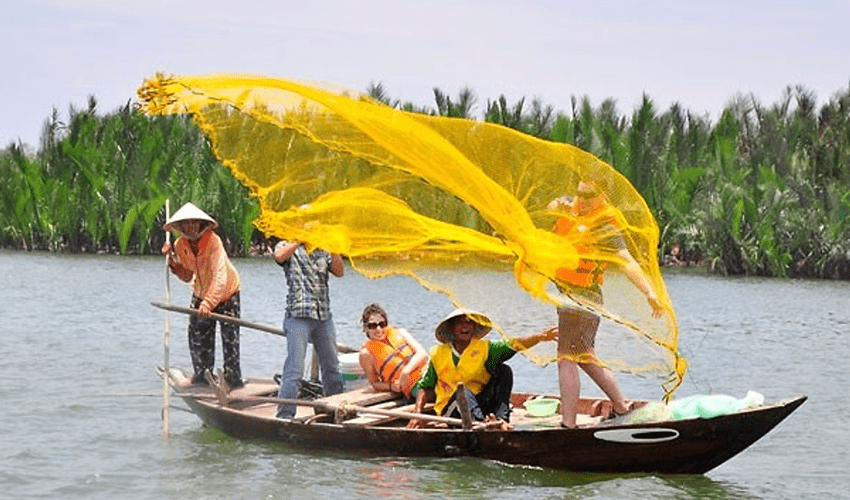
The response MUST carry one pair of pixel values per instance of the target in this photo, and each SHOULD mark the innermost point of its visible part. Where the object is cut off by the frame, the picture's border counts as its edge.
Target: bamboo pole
(463, 403)
(220, 317)
(166, 341)
(238, 321)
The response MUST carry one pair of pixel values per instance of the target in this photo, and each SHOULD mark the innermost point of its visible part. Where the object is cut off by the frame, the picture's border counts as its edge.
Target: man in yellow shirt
(463, 356)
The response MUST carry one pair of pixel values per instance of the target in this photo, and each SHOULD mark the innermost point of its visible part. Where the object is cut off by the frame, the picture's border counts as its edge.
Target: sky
(57, 53)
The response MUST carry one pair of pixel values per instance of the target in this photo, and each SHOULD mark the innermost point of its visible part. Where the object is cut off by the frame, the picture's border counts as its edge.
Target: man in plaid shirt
(308, 318)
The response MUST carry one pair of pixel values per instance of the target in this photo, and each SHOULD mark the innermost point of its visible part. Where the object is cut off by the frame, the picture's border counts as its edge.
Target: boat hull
(692, 446)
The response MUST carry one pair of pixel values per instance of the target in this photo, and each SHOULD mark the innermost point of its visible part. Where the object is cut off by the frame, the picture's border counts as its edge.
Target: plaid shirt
(307, 280)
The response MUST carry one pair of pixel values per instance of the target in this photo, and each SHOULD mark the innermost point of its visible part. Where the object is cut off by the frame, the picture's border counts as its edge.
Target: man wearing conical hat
(464, 356)
(198, 257)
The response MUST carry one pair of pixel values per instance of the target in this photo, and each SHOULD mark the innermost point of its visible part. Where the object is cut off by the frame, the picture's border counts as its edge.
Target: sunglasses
(372, 326)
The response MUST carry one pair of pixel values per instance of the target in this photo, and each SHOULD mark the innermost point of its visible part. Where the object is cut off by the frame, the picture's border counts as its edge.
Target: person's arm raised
(337, 267)
(529, 341)
(284, 250)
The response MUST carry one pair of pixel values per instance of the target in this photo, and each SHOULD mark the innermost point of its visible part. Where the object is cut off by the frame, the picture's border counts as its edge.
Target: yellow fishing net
(440, 199)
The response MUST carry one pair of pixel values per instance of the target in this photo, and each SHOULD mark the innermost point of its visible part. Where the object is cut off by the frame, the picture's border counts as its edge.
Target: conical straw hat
(189, 212)
(482, 326)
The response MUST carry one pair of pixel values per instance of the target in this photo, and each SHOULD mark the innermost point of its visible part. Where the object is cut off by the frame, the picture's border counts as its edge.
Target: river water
(80, 401)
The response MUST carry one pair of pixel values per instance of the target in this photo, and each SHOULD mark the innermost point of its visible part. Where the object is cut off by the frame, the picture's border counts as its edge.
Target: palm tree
(499, 112)
(461, 108)
(379, 93)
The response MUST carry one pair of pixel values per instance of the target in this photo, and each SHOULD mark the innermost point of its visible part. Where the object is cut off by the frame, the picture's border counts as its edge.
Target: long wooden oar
(221, 317)
(248, 324)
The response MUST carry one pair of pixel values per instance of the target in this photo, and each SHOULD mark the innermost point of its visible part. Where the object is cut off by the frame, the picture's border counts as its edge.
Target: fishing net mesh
(439, 199)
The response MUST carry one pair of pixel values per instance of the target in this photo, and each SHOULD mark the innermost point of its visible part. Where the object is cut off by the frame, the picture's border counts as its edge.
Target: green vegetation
(764, 191)
(99, 184)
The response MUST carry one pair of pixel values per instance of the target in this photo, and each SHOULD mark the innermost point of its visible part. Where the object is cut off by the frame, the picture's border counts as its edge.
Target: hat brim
(189, 212)
(482, 324)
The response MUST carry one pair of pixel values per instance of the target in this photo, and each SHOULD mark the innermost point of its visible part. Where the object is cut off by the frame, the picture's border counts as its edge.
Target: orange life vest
(582, 230)
(470, 370)
(391, 356)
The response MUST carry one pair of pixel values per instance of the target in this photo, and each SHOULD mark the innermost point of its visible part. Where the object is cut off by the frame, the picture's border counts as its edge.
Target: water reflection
(694, 486)
(471, 478)
(392, 479)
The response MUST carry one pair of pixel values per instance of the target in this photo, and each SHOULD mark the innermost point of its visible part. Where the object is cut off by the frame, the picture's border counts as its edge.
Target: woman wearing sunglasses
(391, 359)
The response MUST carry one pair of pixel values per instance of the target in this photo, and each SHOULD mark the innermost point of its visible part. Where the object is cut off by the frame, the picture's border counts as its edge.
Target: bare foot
(179, 379)
(183, 383)
(493, 423)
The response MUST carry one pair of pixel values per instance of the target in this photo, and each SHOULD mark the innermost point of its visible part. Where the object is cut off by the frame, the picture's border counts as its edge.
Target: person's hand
(550, 333)
(415, 424)
(657, 306)
(166, 248)
(401, 382)
(204, 310)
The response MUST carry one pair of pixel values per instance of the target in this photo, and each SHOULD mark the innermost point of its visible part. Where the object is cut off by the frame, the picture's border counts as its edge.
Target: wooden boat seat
(256, 388)
(360, 397)
(363, 420)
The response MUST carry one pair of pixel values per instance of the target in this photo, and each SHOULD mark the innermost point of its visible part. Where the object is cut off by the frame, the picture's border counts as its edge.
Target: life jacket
(391, 356)
(582, 230)
(470, 370)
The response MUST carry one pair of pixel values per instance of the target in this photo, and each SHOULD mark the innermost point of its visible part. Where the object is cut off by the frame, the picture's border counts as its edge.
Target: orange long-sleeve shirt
(214, 277)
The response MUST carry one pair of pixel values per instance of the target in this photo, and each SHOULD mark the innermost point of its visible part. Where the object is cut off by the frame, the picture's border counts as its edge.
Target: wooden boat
(374, 424)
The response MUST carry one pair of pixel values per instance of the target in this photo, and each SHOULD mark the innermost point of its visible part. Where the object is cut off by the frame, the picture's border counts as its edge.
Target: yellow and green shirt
(446, 369)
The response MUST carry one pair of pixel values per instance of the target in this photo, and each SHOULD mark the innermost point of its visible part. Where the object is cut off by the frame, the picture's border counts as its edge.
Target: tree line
(765, 191)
